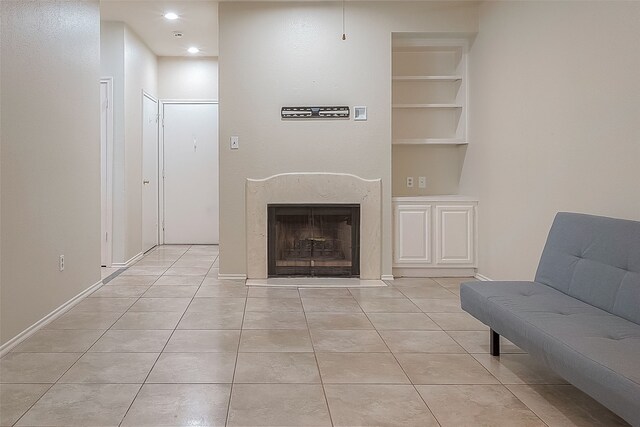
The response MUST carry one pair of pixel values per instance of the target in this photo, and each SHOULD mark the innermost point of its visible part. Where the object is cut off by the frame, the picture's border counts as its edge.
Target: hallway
(166, 343)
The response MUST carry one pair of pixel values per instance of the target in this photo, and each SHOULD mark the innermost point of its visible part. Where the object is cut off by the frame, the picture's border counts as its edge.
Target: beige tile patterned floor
(166, 343)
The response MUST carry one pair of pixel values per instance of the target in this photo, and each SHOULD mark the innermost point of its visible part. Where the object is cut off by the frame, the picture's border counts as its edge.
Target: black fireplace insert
(314, 240)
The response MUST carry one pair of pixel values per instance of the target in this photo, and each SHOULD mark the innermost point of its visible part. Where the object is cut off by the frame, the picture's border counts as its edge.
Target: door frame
(157, 216)
(108, 242)
(161, 200)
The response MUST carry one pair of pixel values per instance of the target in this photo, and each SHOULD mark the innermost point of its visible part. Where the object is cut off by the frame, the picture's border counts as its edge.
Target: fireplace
(314, 240)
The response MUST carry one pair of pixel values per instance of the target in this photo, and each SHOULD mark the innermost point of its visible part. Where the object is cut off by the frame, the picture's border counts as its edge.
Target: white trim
(441, 240)
(315, 282)
(412, 209)
(148, 95)
(387, 277)
(433, 272)
(109, 172)
(128, 263)
(483, 278)
(434, 199)
(158, 165)
(188, 101)
(161, 205)
(9, 345)
(232, 276)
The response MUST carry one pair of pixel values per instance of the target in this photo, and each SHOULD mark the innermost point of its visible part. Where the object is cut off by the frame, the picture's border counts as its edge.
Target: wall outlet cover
(409, 181)
(360, 113)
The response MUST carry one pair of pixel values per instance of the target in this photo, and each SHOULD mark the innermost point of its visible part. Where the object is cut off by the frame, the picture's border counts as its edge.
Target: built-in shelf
(429, 141)
(427, 106)
(432, 78)
(429, 91)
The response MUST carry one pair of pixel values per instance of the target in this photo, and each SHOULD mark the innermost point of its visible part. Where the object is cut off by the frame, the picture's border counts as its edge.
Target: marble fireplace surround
(314, 188)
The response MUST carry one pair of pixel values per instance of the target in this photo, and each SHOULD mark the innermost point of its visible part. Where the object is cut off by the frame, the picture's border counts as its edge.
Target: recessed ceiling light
(171, 16)
(193, 49)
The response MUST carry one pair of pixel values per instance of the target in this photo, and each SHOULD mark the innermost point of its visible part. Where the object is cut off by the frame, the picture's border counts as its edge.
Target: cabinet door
(412, 234)
(455, 231)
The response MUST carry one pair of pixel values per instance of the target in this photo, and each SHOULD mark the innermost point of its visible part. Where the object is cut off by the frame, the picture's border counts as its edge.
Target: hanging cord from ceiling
(344, 35)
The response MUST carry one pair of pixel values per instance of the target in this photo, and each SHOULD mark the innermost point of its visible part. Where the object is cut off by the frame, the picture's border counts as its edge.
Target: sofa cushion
(596, 260)
(591, 348)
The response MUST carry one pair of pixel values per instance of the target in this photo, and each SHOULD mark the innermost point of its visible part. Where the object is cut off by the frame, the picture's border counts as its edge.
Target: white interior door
(106, 161)
(190, 153)
(149, 173)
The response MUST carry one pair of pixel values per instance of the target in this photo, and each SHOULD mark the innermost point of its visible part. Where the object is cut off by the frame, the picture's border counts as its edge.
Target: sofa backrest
(596, 260)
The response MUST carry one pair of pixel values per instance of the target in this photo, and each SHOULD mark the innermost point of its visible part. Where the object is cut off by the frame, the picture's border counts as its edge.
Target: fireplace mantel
(314, 188)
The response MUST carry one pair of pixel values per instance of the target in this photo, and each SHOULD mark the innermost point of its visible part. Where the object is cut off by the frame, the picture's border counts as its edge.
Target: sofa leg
(494, 343)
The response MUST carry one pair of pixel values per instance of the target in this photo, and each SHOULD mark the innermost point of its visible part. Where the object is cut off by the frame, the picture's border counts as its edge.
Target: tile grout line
(173, 330)
(523, 404)
(85, 352)
(467, 353)
(37, 400)
(72, 365)
(163, 347)
(398, 362)
(315, 357)
(235, 365)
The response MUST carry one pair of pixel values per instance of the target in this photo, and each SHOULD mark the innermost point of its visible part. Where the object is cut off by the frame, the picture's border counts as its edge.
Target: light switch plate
(422, 182)
(234, 143)
(359, 113)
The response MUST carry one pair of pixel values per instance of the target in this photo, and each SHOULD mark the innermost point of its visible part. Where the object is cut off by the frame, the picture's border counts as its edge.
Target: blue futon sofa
(581, 315)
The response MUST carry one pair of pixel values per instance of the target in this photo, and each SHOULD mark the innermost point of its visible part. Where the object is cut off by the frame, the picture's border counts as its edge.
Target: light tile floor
(166, 343)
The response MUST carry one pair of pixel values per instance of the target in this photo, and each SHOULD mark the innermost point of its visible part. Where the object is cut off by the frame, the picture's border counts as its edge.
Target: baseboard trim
(387, 277)
(127, 263)
(433, 272)
(9, 345)
(232, 276)
(483, 278)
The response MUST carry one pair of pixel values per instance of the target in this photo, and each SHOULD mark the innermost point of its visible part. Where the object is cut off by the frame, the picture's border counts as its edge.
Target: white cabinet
(434, 236)
(455, 234)
(413, 234)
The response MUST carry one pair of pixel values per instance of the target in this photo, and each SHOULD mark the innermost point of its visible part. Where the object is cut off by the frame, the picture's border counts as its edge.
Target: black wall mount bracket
(297, 113)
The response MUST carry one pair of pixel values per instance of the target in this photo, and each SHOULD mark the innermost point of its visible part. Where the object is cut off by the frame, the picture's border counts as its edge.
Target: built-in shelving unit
(429, 98)
(434, 234)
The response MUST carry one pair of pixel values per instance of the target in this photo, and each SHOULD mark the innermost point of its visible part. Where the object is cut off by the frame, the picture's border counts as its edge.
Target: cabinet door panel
(454, 235)
(412, 234)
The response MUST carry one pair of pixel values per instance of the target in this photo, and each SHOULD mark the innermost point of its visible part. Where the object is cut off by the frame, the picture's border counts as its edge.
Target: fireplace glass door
(314, 240)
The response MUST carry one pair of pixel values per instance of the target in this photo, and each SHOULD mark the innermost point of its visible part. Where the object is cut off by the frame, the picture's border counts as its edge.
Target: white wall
(50, 165)
(188, 78)
(277, 54)
(439, 164)
(134, 69)
(554, 123)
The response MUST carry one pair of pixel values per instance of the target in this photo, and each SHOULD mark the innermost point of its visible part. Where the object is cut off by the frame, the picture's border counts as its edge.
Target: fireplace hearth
(313, 240)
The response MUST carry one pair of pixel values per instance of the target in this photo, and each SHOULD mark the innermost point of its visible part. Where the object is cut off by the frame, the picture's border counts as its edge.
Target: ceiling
(198, 22)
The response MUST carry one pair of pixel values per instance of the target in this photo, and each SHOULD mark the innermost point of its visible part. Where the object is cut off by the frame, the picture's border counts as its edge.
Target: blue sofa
(581, 315)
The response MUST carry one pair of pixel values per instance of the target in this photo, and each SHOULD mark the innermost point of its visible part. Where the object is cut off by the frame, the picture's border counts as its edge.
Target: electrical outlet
(234, 143)
(422, 182)
(61, 263)
(409, 182)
